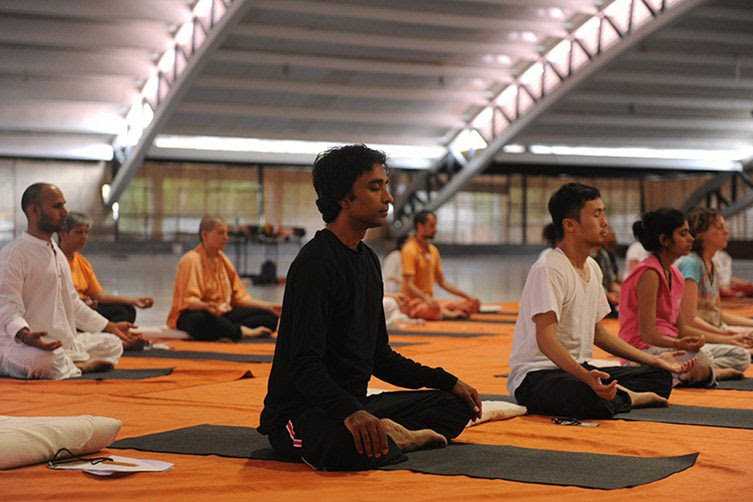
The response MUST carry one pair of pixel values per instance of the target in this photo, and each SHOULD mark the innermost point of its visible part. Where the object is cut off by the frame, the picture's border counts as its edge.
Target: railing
(570, 61)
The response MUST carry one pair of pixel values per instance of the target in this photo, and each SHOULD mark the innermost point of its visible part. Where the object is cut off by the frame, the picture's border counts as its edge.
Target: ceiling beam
(672, 81)
(585, 6)
(410, 15)
(693, 103)
(87, 118)
(645, 122)
(341, 90)
(315, 115)
(689, 59)
(616, 162)
(724, 14)
(704, 37)
(690, 140)
(151, 36)
(59, 146)
(43, 61)
(320, 132)
(362, 65)
(515, 50)
(105, 89)
(174, 12)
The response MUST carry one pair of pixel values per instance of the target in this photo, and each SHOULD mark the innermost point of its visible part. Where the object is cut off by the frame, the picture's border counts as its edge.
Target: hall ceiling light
(415, 156)
(645, 153)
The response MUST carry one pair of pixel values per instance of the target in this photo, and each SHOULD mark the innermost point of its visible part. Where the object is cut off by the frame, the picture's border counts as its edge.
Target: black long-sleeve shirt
(333, 337)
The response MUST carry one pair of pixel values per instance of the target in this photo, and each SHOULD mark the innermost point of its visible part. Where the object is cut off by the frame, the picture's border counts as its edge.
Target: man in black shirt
(332, 339)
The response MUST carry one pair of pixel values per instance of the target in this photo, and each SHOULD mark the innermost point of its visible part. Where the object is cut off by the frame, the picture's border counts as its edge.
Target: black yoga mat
(588, 470)
(198, 355)
(125, 374)
(742, 384)
(733, 418)
(273, 340)
(451, 334)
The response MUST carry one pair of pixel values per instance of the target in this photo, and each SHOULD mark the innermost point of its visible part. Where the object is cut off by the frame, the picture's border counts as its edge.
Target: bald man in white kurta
(36, 292)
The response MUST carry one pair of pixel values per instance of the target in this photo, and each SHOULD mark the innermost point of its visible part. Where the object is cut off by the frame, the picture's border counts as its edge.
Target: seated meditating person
(701, 294)
(422, 269)
(73, 236)
(392, 270)
(40, 310)
(635, 254)
(607, 260)
(549, 237)
(333, 339)
(209, 299)
(561, 308)
(651, 312)
(729, 285)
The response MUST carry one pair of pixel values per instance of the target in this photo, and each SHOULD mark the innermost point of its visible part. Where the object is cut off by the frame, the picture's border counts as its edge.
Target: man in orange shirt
(422, 268)
(73, 237)
(209, 299)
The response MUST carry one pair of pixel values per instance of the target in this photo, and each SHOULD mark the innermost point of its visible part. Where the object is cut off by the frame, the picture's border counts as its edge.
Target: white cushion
(159, 332)
(498, 410)
(33, 440)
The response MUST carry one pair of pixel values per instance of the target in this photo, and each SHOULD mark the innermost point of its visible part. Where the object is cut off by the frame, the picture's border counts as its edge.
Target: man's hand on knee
(131, 340)
(35, 339)
(469, 395)
(368, 433)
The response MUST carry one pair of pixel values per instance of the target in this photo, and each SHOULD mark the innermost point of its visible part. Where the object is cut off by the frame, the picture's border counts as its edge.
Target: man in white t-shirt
(562, 305)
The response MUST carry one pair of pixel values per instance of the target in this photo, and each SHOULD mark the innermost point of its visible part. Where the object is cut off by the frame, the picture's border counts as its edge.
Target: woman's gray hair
(208, 223)
(75, 219)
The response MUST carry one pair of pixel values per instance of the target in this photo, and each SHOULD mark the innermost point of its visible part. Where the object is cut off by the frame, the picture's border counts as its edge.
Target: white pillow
(498, 410)
(33, 440)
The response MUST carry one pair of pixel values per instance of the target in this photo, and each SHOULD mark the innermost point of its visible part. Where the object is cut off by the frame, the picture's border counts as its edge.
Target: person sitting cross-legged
(333, 339)
(561, 309)
(40, 312)
(209, 299)
(73, 237)
(422, 269)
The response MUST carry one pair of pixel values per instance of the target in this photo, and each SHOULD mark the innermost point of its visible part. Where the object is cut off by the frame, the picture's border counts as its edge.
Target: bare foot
(645, 399)
(94, 366)
(728, 374)
(408, 440)
(260, 332)
(453, 314)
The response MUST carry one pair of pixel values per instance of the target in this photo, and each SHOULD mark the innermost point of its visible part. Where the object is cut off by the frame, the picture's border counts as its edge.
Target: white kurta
(36, 291)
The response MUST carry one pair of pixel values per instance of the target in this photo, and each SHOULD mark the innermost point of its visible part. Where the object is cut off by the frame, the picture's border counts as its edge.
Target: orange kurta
(210, 280)
(84, 279)
(424, 266)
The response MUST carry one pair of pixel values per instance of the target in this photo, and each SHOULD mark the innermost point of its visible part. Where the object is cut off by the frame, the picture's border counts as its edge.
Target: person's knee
(45, 365)
(327, 445)
(457, 410)
(112, 346)
(129, 312)
(739, 358)
(661, 380)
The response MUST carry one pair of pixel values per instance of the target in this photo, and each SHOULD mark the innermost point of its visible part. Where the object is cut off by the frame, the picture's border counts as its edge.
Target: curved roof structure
(227, 80)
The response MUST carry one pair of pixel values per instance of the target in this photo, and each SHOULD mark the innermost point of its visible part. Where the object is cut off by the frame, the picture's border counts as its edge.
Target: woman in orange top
(73, 237)
(209, 300)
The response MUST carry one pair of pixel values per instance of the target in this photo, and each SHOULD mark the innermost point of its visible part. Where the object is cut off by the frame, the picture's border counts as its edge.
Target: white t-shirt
(637, 252)
(723, 268)
(392, 272)
(553, 285)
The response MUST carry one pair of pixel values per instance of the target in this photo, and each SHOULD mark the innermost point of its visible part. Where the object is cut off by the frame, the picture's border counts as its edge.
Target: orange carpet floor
(218, 392)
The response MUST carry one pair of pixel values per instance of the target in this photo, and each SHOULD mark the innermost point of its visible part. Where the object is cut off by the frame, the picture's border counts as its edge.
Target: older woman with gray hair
(73, 237)
(209, 299)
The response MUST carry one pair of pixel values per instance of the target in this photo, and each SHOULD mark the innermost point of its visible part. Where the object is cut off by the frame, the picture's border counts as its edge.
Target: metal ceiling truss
(614, 29)
(210, 22)
(724, 192)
